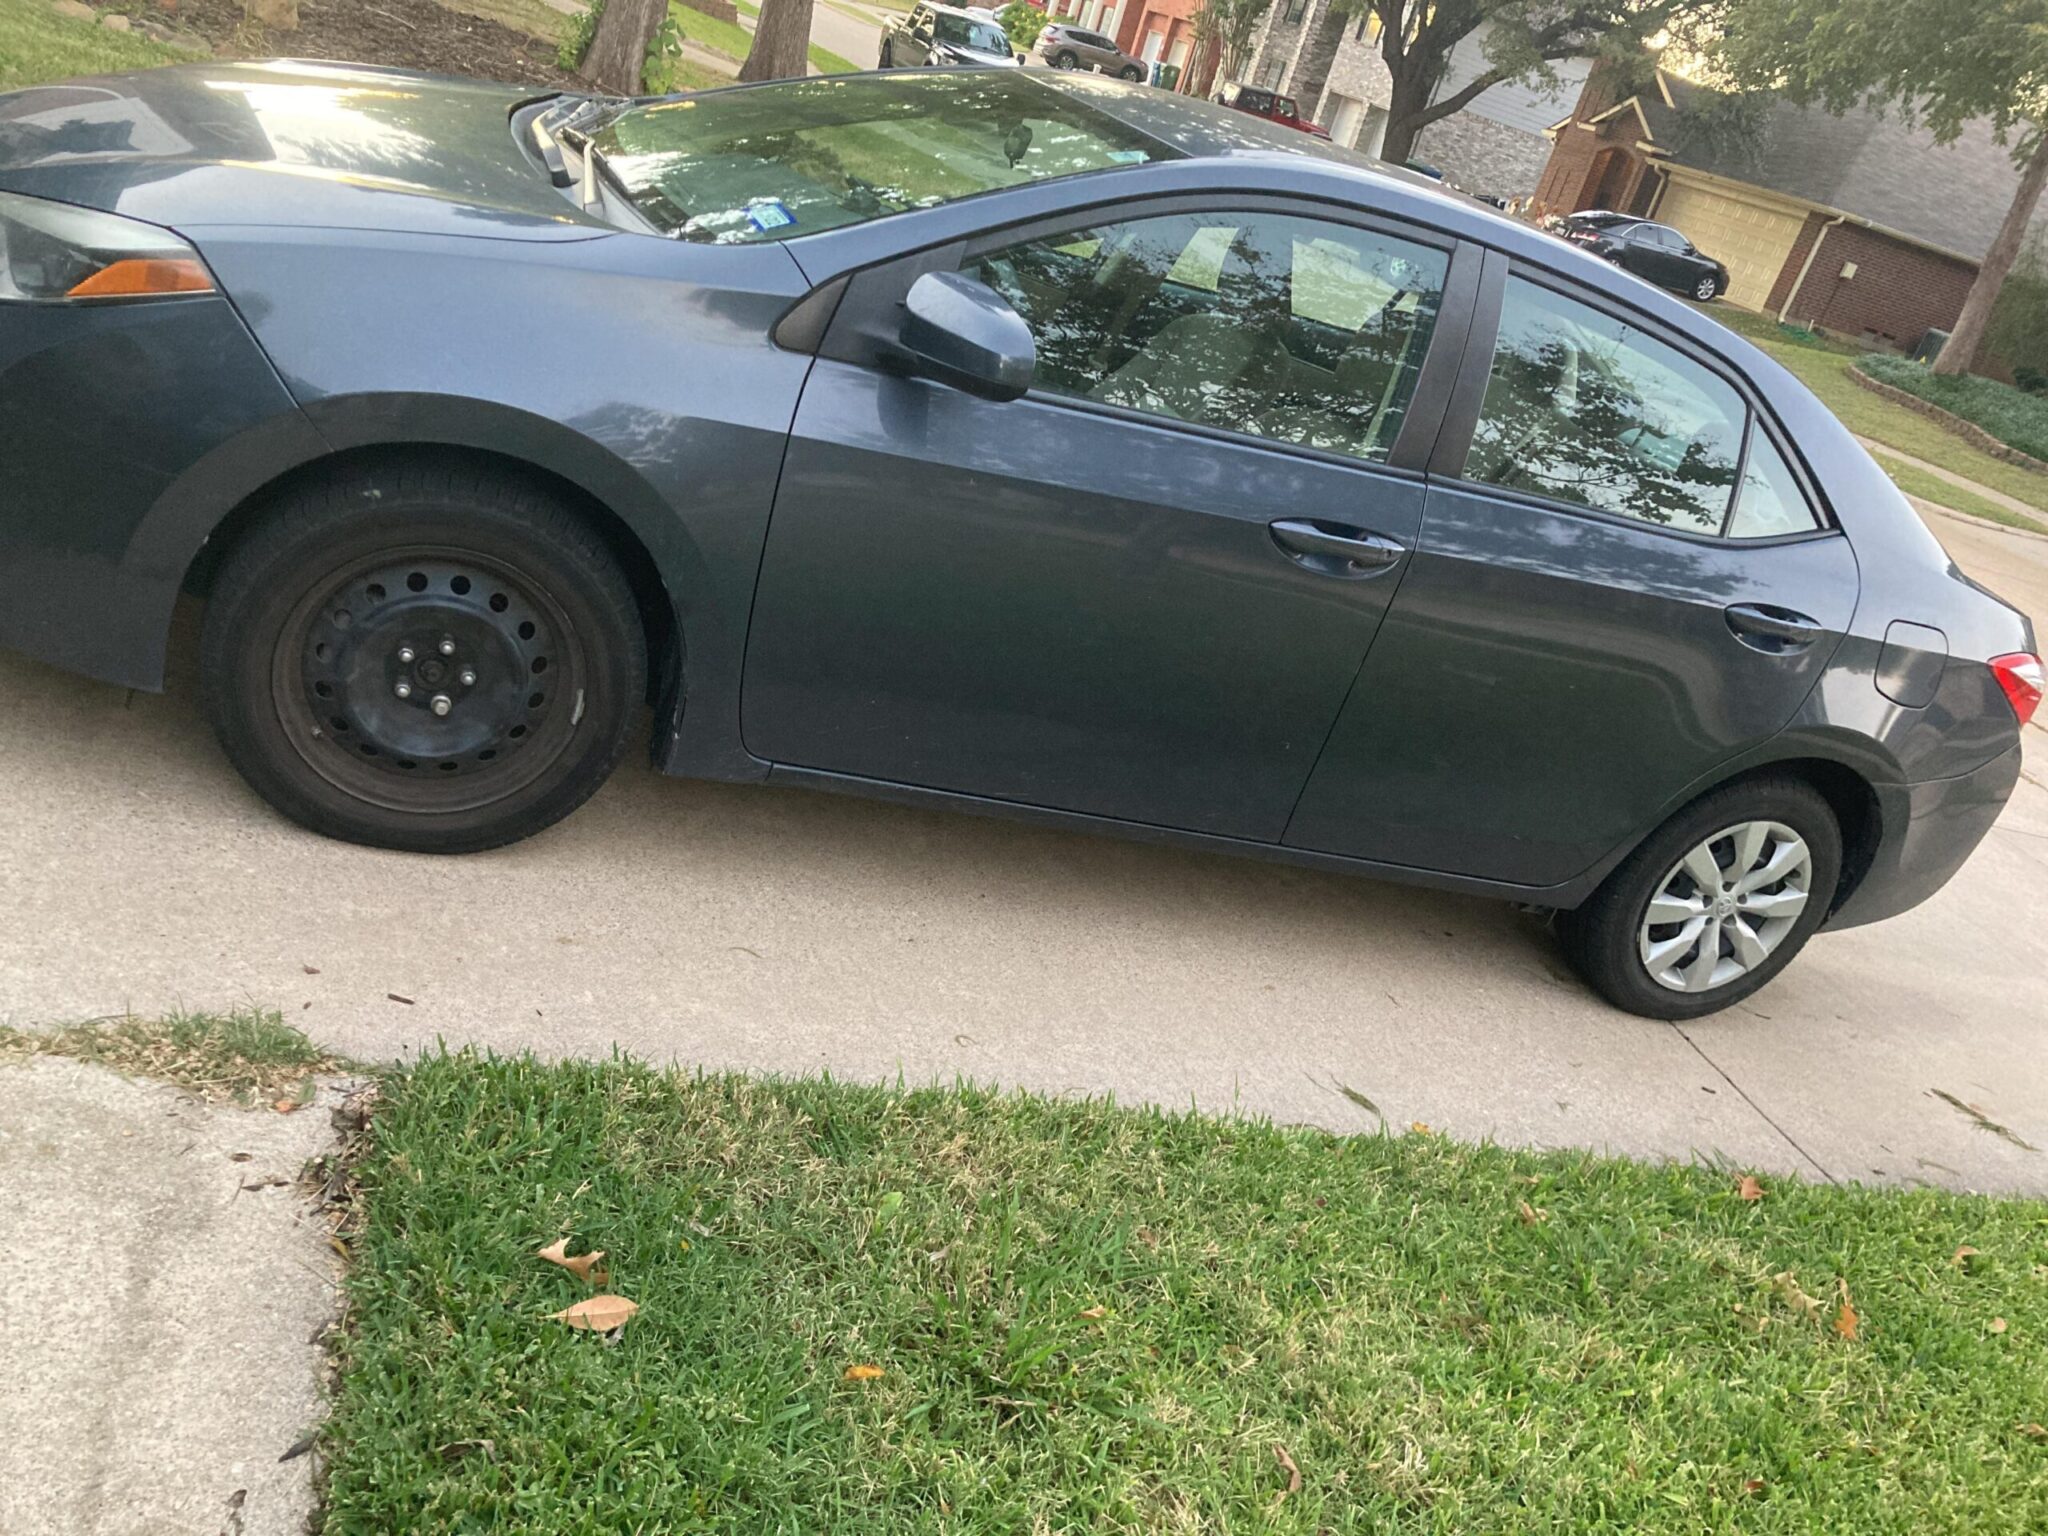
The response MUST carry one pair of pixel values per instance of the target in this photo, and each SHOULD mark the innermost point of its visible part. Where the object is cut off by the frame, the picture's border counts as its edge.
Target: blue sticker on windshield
(769, 214)
(1127, 157)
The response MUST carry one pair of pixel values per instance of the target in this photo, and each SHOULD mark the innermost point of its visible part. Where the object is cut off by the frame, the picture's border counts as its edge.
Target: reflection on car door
(1143, 590)
(1585, 631)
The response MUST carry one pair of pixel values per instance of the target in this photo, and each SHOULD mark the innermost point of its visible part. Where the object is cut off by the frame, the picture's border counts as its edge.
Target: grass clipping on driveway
(1088, 1317)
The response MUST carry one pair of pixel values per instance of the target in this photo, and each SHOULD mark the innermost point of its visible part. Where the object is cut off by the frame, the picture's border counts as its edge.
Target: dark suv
(1656, 252)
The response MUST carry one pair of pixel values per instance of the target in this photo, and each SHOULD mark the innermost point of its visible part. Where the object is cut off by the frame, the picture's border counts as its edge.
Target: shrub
(1023, 23)
(2013, 416)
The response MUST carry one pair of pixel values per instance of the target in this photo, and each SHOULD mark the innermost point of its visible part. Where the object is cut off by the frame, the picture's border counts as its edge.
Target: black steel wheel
(434, 661)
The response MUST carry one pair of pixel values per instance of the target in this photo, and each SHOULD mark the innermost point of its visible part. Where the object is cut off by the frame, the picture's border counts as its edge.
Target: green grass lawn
(1089, 1318)
(37, 45)
(733, 40)
(1918, 482)
(1823, 366)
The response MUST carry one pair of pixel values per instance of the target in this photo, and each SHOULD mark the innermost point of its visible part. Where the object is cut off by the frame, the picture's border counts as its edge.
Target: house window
(1295, 9)
(1368, 28)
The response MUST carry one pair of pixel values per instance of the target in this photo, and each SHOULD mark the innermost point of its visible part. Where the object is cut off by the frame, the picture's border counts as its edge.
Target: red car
(1260, 102)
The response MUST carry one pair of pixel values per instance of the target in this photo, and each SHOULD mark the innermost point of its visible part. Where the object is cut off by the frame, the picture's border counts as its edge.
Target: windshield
(773, 162)
(978, 35)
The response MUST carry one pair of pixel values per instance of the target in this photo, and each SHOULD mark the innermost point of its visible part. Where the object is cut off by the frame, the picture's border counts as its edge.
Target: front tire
(1066, 59)
(433, 658)
(1706, 289)
(1713, 904)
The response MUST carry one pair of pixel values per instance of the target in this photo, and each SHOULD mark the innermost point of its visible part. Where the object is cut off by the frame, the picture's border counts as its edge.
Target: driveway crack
(1790, 1140)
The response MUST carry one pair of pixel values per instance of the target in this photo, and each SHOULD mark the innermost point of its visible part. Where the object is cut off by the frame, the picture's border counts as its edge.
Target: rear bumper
(1928, 831)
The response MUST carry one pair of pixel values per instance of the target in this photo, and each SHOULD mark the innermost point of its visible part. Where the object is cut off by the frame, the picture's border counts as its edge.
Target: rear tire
(1776, 854)
(1132, 73)
(1066, 59)
(887, 60)
(429, 658)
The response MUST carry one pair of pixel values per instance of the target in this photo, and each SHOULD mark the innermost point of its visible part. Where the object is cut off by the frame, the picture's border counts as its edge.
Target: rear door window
(1583, 407)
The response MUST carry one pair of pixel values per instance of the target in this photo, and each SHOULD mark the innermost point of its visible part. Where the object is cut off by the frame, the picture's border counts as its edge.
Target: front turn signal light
(2020, 675)
(58, 253)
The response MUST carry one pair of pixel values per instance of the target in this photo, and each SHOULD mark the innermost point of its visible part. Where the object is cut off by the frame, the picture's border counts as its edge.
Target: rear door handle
(1775, 631)
(1334, 549)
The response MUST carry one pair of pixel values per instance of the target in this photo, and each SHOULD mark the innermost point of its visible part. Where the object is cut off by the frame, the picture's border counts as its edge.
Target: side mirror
(962, 333)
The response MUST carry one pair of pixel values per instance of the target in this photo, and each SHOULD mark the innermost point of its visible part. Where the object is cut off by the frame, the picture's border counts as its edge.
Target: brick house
(1859, 223)
(1157, 31)
(1328, 59)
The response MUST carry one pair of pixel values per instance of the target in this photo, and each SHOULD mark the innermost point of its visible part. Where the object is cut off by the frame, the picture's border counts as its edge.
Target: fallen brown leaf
(1529, 1215)
(1749, 1188)
(1963, 1255)
(1998, 1325)
(557, 1252)
(1293, 1473)
(2034, 1431)
(1753, 1485)
(1419, 1127)
(599, 1314)
(1093, 1313)
(862, 1373)
(285, 1106)
(1846, 1319)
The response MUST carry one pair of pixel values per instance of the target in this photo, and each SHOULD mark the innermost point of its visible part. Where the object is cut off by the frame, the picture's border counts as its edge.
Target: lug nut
(469, 677)
(405, 654)
(441, 704)
(447, 647)
(403, 690)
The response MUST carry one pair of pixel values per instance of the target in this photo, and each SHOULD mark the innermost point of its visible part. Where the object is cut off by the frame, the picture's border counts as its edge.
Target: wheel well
(659, 621)
(1854, 803)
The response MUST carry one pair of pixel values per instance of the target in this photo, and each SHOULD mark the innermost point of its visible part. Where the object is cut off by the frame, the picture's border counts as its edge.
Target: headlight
(55, 252)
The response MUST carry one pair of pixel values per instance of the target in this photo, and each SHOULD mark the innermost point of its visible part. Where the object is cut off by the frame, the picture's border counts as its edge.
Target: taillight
(2020, 675)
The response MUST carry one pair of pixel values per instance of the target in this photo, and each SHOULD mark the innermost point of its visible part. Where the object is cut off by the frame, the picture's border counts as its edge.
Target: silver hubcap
(1726, 906)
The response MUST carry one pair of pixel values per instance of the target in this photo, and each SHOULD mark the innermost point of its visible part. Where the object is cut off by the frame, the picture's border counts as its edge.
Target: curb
(1969, 431)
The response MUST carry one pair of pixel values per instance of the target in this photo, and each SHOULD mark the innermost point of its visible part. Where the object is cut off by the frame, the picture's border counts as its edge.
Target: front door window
(1287, 328)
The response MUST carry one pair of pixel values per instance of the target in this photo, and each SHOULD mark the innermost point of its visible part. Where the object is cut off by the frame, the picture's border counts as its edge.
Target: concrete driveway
(789, 931)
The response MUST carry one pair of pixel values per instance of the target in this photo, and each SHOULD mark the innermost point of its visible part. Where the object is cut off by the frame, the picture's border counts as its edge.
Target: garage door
(1751, 239)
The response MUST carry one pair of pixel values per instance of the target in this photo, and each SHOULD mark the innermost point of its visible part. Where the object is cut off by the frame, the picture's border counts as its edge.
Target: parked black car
(1656, 252)
(1019, 441)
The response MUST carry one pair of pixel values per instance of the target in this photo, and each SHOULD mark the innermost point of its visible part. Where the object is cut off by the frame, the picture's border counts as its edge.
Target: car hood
(286, 142)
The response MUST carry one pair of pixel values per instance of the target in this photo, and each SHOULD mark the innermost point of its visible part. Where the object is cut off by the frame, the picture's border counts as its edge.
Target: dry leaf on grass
(862, 1373)
(1529, 1215)
(557, 1252)
(1846, 1319)
(1293, 1473)
(1093, 1314)
(1753, 1485)
(1998, 1325)
(2034, 1431)
(1749, 1188)
(1962, 1257)
(598, 1314)
(1419, 1127)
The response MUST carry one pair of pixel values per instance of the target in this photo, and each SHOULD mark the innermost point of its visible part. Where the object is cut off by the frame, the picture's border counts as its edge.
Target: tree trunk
(1960, 352)
(1407, 99)
(618, 53)
(782, 42)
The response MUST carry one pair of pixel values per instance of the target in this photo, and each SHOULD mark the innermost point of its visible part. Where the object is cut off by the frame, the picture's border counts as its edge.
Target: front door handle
(1775, 631)
(1334, 549)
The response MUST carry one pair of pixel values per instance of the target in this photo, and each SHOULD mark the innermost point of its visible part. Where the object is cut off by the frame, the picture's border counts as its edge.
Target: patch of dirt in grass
(406, 34)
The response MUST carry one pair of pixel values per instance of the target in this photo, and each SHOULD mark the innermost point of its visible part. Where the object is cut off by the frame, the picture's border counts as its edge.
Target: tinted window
(1586, 408)
(798, 156)
(1290, 328)
(1770, 503)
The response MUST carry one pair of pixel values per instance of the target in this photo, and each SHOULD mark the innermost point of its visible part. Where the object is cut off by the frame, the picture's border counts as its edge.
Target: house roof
(1870, 165)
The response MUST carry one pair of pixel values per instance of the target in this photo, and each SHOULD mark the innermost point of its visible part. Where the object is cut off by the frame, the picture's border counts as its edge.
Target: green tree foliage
(1231, 25)
(1524, 42)
(1940, 63)
(1023, 23)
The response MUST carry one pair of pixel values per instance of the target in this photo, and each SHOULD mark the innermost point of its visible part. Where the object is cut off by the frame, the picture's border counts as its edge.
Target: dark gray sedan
(1017, 442)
